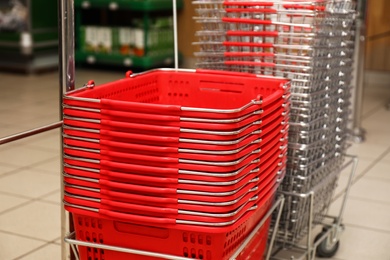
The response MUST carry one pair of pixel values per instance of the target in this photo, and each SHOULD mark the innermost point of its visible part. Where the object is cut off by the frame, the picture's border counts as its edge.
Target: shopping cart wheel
(326, 248)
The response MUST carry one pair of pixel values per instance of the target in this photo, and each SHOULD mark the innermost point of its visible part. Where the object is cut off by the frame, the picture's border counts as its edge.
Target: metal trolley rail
(315, 203)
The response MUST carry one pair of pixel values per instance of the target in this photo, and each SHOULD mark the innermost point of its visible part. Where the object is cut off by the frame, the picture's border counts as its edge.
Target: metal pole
(309, 226)
(28, 133)
(175, 40)
(67, 83)
(351, 178)
(360, 40)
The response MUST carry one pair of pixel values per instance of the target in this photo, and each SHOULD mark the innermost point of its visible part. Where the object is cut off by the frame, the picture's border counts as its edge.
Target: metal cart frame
(328, 238)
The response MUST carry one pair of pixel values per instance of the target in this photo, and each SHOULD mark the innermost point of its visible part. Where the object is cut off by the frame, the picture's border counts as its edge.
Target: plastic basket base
(254, 250)
(187, 241)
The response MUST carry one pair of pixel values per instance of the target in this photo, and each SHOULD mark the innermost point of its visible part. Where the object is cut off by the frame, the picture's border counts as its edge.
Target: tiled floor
(30, 172)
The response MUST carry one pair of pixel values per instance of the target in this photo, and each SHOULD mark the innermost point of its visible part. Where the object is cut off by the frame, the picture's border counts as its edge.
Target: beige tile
(362, 166)
(368, 150)
(379, 119)
(369, 105)
(14, 117)
(50, 140)
(363, 244)
(375, 133)
(8, 130)
(8, 201)
(371, 189)
(387, 157)
(40, 121)
(29, 183)
(9, 145)
(287, 254)
(54, 197)
(380, 170)
(378, 135)
(48, 252)
(37, 219)
(52, 166)
(41, 108)
(4, 169)
(23, 156)
(364, 213)
(13, 246)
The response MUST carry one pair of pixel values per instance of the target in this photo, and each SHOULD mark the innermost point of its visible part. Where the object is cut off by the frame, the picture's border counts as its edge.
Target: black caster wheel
(325, 248)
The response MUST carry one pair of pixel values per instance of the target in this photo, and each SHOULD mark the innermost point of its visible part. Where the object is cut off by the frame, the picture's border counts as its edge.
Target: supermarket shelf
(117, 59)
(136, 5)
(29, 63)
(33, 45)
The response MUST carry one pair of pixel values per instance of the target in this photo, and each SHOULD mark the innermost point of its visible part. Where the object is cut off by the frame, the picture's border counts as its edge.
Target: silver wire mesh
(310, 43)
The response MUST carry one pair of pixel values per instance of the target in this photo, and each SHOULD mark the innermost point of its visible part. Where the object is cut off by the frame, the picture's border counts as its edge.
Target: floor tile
(292, 254)
(387, 157)
(48, 252)
(368, 150)
(52, 166)
(376, 135)
(50, 140)
(29, 183)
(45, 119)
(14, 117)
(8, 130)
(4, 169)
(8, 201)
(37, 219)
(362, 244)
(362, 166)
(380, 170)
(54, 197)
(365, 213)
(13, 246)
(371, 189)
(23, 156)
(369, 106)
(377, 120)
(375, 96)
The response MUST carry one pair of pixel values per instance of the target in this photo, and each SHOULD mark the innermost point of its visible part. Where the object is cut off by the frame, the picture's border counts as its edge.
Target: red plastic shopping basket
(197, 162)
(199, 94)
(182, 240)
(274, 102)
(211, 173)
(119, 199)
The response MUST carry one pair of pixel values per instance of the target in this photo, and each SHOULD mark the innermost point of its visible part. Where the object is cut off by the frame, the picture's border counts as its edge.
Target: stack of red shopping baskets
(178, 162)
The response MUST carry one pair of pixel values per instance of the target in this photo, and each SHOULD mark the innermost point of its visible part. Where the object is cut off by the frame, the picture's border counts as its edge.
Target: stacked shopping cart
(177, 162)
(310, 43)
